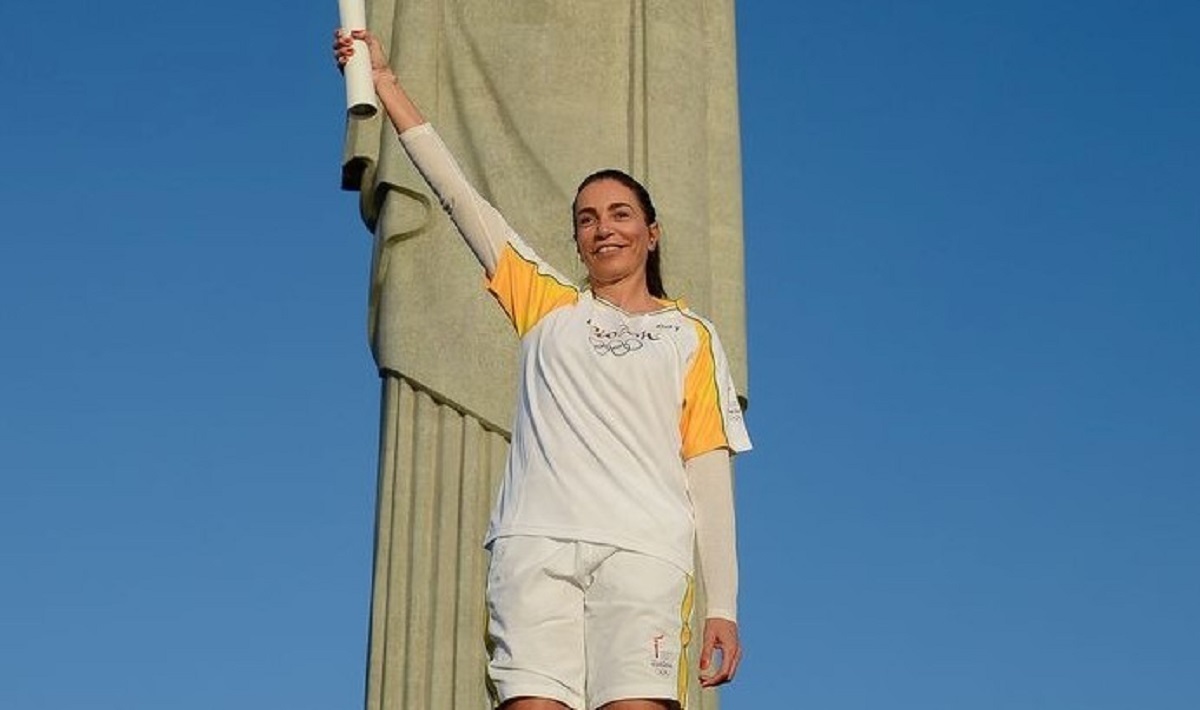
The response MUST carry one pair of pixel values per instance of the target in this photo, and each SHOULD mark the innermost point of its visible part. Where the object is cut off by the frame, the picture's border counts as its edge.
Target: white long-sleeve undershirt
(481, 225)
(709, 475)
(710, 485)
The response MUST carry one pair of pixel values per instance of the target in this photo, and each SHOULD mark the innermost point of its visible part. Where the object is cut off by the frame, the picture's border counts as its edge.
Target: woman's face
(611, 233)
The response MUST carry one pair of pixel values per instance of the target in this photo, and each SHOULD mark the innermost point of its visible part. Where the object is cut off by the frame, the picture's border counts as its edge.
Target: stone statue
(531, 96)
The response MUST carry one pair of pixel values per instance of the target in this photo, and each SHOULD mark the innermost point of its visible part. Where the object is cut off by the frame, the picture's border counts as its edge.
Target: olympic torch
(360, 90)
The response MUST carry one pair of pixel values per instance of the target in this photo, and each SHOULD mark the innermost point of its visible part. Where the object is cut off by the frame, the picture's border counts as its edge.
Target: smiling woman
(625, 201)
(619, 465)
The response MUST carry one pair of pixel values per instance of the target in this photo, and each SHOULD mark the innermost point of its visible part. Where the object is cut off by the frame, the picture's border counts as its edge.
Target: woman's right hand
(343, 49)
(400, 109)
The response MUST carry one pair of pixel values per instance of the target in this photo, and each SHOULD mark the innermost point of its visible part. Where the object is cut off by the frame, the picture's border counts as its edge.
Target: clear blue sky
(973, 268)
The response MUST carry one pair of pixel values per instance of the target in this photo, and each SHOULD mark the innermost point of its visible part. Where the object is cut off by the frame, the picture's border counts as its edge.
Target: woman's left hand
(719, 635)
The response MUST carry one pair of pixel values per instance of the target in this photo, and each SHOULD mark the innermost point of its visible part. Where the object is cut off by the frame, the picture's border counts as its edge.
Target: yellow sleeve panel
(527, 289)
(701, 425)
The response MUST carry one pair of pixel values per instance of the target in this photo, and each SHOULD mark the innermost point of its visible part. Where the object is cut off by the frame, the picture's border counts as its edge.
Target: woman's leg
(535, 625)
(637, 611)
(533, 704)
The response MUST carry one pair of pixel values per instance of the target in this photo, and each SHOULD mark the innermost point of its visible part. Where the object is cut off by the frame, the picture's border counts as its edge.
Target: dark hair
(654, 280)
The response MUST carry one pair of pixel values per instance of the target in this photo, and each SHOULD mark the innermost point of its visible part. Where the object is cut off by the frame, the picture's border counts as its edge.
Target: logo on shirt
(619, 342)
(733, 410)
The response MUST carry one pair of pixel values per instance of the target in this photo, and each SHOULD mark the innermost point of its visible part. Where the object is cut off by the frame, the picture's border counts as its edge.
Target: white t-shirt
(609, 404)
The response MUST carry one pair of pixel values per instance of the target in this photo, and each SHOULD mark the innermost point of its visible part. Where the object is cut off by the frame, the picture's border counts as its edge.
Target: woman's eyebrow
(607, 208)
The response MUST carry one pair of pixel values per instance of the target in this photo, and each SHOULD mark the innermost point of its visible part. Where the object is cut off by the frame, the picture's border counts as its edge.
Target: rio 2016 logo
(619, 342)
(663, 663)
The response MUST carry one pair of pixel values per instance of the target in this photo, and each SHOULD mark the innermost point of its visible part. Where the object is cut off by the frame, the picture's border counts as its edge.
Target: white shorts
(585, 624)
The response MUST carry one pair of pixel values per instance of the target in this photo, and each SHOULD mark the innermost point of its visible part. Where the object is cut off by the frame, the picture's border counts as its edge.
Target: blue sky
(973, 273)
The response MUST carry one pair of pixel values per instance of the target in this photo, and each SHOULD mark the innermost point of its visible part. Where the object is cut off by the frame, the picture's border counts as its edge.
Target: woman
(620, 456)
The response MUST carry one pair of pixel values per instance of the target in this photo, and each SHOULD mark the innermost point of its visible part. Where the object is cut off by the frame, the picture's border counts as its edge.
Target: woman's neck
(630, 295)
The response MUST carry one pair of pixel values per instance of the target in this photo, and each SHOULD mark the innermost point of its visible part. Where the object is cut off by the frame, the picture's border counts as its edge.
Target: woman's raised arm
(481, 225)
